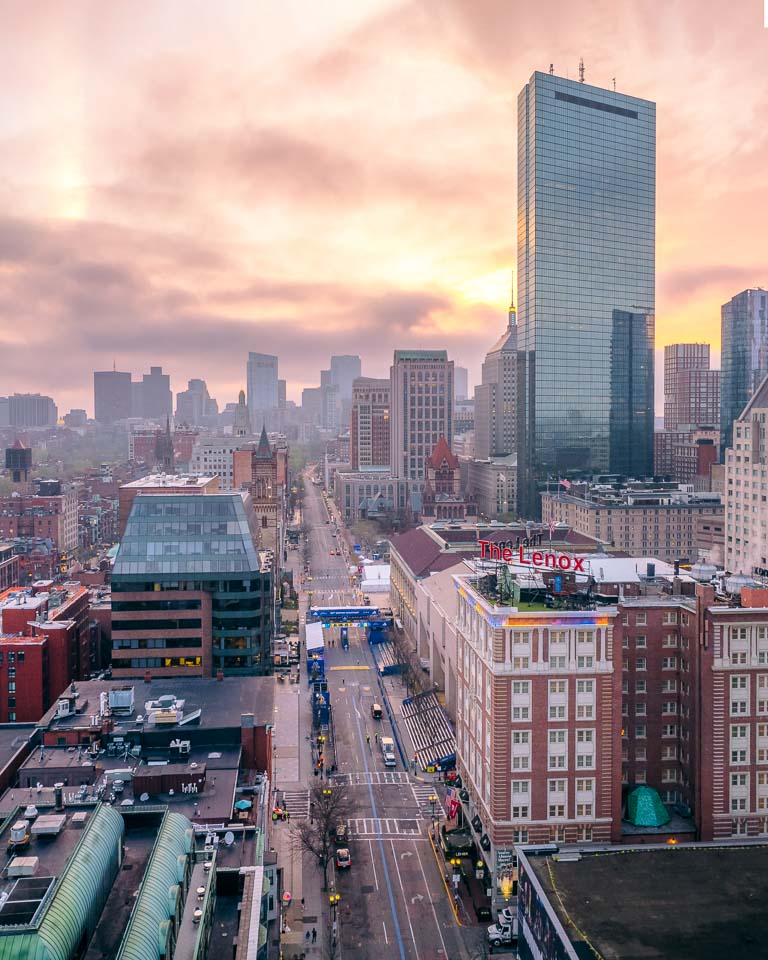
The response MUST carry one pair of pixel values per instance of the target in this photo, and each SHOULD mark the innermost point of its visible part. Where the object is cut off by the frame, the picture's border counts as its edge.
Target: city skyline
(165, 238)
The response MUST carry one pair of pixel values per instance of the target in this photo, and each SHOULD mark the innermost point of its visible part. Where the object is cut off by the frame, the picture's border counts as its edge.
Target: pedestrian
(302, 903)
(314, 935)
(288, 816)
(306, 937)
(377, 737)
(368, 739)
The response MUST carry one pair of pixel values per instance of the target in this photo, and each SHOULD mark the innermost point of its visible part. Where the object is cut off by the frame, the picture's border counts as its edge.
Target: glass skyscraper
(586, 283)
(744, 329)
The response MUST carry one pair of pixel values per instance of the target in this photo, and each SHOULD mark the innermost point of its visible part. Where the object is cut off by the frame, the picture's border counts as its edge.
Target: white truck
(388, 751)
(502, 934)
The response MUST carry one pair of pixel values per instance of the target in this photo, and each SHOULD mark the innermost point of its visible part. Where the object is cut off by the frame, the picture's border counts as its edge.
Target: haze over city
(305, 181)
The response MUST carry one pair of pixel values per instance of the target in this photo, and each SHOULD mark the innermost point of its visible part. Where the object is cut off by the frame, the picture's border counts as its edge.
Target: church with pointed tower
(267, 489)
(442, 498)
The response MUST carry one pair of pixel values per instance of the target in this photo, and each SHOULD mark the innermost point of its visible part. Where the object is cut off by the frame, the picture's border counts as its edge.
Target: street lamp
(433, 800)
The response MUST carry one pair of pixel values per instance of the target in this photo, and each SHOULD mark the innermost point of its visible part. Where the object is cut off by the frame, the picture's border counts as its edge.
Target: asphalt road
(394, 902)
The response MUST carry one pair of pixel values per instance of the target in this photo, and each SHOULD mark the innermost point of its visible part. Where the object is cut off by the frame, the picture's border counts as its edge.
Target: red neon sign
(554, 561)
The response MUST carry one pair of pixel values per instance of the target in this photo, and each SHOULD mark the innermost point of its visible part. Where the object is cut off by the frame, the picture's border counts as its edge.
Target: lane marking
(398, 934)
(375, 878)
(431, 901)
(405, 902)
(386, 938)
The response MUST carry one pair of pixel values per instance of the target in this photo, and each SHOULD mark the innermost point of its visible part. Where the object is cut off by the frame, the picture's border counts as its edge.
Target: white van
(388, 751)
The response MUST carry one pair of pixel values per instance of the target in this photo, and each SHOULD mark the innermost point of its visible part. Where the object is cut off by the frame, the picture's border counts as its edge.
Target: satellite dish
(229, 838)
(171, 792)
(144, 797)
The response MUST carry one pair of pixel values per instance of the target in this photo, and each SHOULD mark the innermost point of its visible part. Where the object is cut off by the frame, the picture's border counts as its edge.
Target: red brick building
(369, 425)
(45, 517)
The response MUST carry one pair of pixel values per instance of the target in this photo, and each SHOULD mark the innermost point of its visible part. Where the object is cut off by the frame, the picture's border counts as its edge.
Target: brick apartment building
(44, 645)
(561, 713)
(52, 517)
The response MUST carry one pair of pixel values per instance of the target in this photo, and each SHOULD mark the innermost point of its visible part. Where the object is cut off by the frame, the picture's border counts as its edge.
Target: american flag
(551, 528)
(565, 483)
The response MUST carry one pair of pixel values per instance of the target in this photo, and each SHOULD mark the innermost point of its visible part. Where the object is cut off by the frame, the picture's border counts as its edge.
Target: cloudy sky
(182, 181)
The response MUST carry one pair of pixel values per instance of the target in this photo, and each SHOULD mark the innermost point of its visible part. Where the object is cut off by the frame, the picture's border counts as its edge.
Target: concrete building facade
(370, 424)
(422, 408)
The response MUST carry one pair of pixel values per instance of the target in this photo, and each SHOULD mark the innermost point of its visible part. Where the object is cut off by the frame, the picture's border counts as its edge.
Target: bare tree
(329, 806)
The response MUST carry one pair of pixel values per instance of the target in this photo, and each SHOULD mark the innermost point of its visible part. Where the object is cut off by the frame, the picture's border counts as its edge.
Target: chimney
(219, 675)
(147, 676)
(58, 796)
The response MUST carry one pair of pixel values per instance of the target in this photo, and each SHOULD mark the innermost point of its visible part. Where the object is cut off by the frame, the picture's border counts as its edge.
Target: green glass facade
(586, 283)
(192, 543)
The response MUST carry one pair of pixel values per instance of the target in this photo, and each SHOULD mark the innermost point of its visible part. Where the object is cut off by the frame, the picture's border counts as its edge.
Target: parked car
(508, 917)
(343, 859)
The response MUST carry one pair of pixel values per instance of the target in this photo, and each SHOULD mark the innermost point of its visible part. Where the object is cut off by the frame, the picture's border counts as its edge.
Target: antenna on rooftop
(551, 69)
(614, 84)
(581, 70)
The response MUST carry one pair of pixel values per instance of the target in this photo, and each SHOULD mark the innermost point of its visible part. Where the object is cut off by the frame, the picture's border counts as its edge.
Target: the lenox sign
(555, 561)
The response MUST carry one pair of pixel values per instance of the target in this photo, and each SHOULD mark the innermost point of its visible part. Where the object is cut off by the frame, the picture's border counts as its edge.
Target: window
(640, 663)
(640, 731)
(669, 706)
(521, 787)
(640, 686)
(584, 810)
(556, 811)
(641, 619)
(641, 640)
(557, 786)
(585, 785)
(585, 663)
(585, 711)
(585, 686)
(520, 812)
(11, 686)
(669, 663)
(520, 663)
(557, 662)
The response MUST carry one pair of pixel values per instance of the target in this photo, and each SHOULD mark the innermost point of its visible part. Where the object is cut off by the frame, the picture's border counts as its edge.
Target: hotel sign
(551, 560)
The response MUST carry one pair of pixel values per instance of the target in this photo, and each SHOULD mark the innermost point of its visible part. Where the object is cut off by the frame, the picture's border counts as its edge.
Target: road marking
(373, 862)
(431, 903)
(382, 778)
(386, 938)
(385, 827)
(402, 890)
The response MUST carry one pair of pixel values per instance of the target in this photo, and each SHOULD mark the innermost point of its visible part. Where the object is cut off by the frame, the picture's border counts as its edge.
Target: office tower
(495, 417)
(369, 428)
(111, 396)
(586, 235)
(281, 393)
(691, 389)
(744, 329)
(330, 400)
(261, 385)
(312, 405)
(211, 585)
(31, 410)
(422, 409)
(345, 369)
(152, 397)
(461, 383)
(195, 406)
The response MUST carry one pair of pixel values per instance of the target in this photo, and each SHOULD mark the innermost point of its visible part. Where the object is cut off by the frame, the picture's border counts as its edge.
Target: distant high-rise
(194, 405)
(744, 329)
(586, 282)
(261, 385)
(241, 426)
(691, 389)
(111, 396)
(369, 440)
(345, 369)
(31, 410)
(495, 417)
(152, 395)
(421, 410)
(461, 383)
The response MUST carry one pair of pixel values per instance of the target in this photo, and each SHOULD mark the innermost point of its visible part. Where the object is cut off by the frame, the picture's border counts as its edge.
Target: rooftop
(171, 480)
(220, 703)
(682, 902)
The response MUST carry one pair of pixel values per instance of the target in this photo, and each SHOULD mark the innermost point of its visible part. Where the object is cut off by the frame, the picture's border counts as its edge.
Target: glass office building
(744, 330)
(191, 593)
(586, 283)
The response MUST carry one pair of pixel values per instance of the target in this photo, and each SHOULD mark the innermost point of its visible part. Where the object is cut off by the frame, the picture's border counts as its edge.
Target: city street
(394, 896)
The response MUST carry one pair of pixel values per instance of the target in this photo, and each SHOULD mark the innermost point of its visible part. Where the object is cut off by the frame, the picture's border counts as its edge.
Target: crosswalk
(296, 802)
(375, 777)
(422, 795)
(384, 827)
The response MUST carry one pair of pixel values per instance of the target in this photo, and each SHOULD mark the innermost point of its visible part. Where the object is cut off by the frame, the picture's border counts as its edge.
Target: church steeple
(241, 426)
(263, 449)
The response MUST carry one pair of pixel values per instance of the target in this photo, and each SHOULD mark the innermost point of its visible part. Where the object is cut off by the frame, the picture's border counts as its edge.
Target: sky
(183, 181)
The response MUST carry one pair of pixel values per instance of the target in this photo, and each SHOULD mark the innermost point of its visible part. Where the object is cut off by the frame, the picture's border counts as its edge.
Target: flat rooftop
(686, 903)
(221, 702)
(171, 480)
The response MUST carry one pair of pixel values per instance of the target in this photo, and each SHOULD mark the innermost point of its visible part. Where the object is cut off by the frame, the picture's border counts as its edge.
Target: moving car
(341, 833)
(343, 859)
(376, 711)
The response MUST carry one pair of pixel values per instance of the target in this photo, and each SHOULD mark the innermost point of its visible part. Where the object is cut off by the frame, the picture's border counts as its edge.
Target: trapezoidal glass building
(191, 592)
(586, 283)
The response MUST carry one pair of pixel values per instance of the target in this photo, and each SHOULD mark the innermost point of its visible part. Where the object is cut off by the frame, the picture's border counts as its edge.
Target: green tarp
(645, 809)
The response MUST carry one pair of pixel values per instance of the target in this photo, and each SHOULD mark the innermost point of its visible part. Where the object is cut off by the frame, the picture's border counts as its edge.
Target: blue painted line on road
(363, 751)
